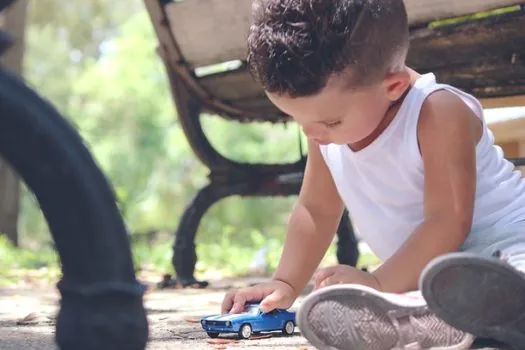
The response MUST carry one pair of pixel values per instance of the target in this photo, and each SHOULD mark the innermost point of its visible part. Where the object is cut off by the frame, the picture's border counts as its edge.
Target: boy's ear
(396, 84)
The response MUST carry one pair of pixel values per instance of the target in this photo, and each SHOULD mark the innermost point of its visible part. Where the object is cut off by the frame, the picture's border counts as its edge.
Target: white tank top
(382, 184)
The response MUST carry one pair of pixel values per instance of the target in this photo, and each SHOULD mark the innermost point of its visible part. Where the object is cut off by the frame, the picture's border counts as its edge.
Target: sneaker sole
(452, 287)
(376, 302)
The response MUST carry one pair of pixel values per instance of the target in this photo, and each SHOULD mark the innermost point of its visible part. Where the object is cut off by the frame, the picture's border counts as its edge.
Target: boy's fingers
(237, 308)
(323, 274)
(241, 297)
(272, 301)
(227, 302)
(330, 281)
(238, 303)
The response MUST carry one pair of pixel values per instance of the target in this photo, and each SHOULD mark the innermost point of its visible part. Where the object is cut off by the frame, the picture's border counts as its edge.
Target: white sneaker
(354, 317)
(484, 296)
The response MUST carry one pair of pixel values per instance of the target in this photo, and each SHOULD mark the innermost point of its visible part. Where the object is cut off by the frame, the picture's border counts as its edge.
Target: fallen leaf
(34, 318)
(261, 336)
(221, 341)
(192, 319)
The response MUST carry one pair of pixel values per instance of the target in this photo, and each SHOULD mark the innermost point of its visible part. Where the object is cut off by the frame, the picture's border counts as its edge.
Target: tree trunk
(13, 20)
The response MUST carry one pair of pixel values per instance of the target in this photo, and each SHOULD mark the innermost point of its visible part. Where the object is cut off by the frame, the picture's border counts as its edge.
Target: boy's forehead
(326, 106)
(297, 107)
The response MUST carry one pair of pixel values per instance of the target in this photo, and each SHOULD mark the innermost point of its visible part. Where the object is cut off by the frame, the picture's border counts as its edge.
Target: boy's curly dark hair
(295, 46)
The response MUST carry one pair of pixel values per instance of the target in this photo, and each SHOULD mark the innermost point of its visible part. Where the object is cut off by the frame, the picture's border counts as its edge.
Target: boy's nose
(317, 136)
(313, 132)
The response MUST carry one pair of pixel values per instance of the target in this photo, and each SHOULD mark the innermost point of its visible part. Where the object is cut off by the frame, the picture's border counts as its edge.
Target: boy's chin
(330, 142)
(322, 142)
(325, 143)
(339, 143)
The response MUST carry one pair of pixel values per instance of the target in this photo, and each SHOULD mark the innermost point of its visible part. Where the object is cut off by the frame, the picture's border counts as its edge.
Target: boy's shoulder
(444, 100)
(445, 109)
(448, 132)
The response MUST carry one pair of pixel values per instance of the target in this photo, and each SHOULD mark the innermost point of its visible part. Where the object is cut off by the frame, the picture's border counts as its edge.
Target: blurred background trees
(96, 61)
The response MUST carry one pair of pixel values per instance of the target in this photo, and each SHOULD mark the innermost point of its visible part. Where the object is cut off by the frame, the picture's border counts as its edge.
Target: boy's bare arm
(312, 223)
(448, 133)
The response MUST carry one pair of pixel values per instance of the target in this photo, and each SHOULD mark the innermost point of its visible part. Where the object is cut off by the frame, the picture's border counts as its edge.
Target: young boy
(416, 166)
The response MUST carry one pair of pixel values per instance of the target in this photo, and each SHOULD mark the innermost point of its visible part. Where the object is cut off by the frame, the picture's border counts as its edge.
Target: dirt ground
(169, 312)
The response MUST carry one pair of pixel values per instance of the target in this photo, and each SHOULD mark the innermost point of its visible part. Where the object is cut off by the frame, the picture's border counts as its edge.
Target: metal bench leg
(227, 177)
(184, 254)
(184, 250)
(101, 301)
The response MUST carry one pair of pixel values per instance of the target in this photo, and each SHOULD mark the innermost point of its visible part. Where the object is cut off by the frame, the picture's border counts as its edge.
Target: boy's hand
(344, 274)
(272, 295)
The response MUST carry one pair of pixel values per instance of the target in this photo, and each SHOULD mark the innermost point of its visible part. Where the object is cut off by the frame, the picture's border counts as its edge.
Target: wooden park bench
(203, 46)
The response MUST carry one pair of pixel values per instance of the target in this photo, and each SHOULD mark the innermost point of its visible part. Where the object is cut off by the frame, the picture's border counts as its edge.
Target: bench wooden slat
(215, 31)
(210, 31)
(486, 80)
(470, 56)
(493, 37)
(505, 101)
(235, 85)
(240, 90)
(424, 11)
(265, 110)
(259, 104)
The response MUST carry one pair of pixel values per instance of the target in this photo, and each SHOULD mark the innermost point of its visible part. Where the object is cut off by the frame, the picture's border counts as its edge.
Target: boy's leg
(481, 295)
(348, 317)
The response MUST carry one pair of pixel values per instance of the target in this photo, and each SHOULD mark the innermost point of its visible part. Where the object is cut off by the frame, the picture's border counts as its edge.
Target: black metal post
(101, 305)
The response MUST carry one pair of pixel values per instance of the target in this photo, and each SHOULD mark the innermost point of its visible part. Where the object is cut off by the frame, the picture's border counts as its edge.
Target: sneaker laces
(422, 330)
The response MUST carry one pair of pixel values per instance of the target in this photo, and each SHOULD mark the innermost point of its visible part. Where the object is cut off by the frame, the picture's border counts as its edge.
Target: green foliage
(156, 256)
(215, 260)
(96, 62)
(24, 258)
(104, 75)
(257, 143)
(83, 26)
(14, 262)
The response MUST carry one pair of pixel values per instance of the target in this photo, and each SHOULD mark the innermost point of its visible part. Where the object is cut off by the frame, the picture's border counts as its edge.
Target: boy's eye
(333, 124)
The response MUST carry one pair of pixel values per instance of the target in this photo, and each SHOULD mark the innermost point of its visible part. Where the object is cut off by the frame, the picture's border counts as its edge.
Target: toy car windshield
(252, 309)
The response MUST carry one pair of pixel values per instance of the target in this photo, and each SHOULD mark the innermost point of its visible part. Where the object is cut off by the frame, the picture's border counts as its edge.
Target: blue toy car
(252, 320)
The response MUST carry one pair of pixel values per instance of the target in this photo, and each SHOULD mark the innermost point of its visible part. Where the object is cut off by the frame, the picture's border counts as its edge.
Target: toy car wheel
(245, 332)
(288, 328)
(213, 334)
